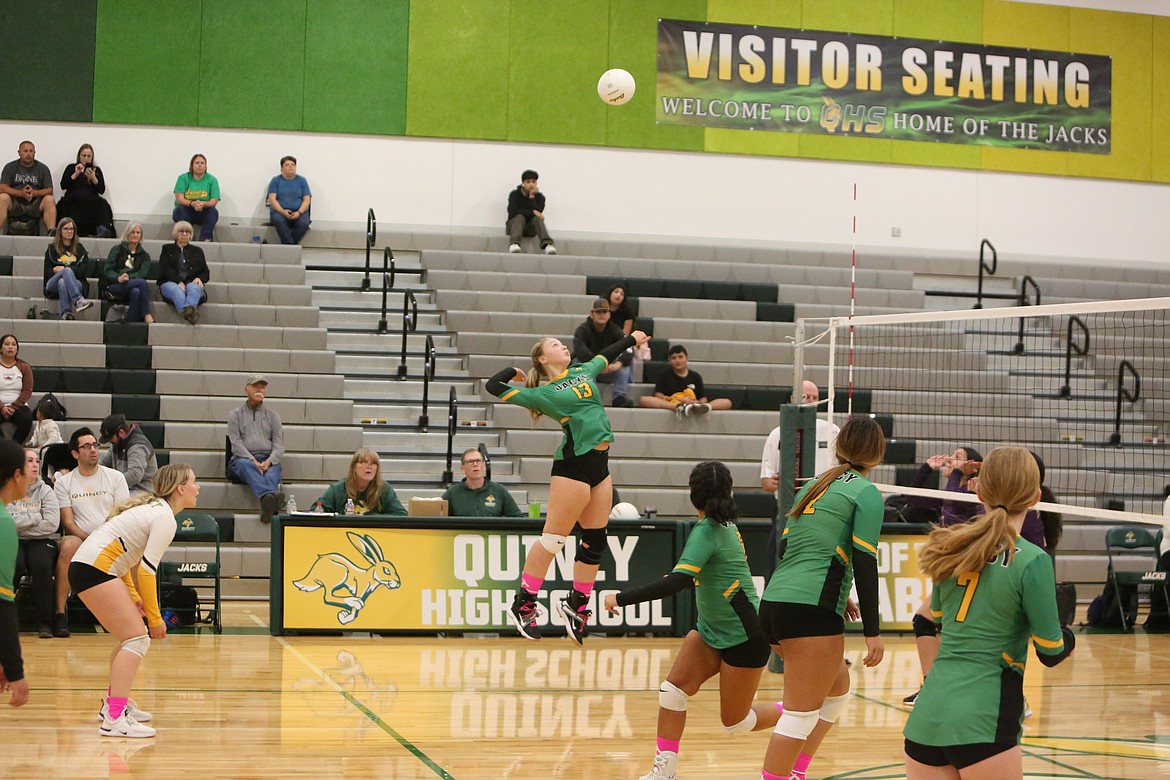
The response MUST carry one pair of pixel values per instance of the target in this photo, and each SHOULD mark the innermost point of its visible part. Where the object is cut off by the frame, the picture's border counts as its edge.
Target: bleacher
(297, 315)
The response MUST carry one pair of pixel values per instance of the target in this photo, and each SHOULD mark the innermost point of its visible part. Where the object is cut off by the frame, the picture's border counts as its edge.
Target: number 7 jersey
(974, 692)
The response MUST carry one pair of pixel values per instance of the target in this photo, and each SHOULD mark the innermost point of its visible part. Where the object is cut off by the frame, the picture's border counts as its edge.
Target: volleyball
(624, 511)
(616, 86)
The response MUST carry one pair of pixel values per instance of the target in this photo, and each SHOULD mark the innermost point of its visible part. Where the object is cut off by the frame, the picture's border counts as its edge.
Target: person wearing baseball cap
(594, 335)
(257, 443)
(130, 452)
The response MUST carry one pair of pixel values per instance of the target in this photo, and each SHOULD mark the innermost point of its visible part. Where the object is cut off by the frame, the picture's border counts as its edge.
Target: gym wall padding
(513, 71)
(48, 60)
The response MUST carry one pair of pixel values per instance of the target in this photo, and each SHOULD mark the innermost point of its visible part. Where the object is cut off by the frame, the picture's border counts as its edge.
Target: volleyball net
(1084, 386)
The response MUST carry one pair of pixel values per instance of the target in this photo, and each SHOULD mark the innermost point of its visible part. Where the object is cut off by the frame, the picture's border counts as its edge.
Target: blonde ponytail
(535, 374)
(1009, 483)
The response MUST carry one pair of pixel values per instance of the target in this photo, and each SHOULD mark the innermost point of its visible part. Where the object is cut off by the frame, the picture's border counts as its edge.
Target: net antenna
(1097, 412)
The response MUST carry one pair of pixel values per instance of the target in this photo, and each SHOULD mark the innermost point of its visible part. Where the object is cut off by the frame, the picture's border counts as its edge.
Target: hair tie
(1000, 506)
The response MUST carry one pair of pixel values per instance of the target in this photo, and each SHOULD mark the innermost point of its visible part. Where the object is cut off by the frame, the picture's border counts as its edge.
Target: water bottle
(291, 506)
(319, 509)
(255, 238)
(349, 506)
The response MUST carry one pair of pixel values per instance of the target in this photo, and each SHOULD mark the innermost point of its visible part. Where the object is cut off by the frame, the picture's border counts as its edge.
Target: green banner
(869, 86)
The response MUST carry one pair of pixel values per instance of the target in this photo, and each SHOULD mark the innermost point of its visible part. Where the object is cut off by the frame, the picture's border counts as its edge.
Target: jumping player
(580, 488)
(113, 572)
(831, 536)
(727, 641)
(993, 591)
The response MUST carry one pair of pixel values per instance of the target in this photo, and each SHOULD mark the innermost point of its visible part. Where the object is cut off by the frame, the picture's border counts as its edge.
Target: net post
(797, 430)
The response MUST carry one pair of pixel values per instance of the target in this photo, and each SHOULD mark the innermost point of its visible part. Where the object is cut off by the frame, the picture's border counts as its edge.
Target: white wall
(443, 184)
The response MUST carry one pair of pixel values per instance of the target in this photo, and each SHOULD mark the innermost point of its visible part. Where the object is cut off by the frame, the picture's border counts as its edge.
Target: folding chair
(196, 527)
(1133, 560)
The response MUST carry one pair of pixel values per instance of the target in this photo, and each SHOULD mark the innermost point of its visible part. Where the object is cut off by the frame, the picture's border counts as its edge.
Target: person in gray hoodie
(257, 442)
(130, 452)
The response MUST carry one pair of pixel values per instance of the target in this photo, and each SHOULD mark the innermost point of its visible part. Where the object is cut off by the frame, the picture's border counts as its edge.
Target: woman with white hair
(183, 274)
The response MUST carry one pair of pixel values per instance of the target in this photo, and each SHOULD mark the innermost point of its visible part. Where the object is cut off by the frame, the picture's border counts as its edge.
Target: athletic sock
(584, 588)
(766, 775)
(531, 584)
(117, 705)
(668, 745)
(780, 706)
(801, 765)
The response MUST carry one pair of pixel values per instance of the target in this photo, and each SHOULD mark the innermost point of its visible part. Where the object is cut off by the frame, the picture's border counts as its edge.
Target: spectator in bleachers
(85, 496)
(825, 456)
(957, 469)
(257, 441)
(37, 519)
(288, 202)
(620, 313)
(594, 335)
(476, 495)
(82, 186)
(183, 274)
(130, 452)
(196, 196)
(364, 485)
(26, 192)
(526, 214)
(67, 267)
(681, 390)
(124, 274)
(16, 387)
(46, 431)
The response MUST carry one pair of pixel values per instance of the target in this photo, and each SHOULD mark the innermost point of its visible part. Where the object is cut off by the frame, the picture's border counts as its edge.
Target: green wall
(511, 71)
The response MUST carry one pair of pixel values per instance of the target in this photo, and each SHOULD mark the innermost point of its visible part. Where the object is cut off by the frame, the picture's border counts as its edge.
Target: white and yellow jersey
(140, 535)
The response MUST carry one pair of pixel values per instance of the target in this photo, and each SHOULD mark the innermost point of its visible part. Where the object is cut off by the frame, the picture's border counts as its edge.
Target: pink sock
(117, 705)
(780, 706)
(766, 775)
(584, 588)
(801, 765)
(531, 584)
(668, 745)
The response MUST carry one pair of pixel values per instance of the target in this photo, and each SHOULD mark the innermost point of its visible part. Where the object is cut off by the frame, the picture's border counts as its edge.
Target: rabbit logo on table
(346, 584)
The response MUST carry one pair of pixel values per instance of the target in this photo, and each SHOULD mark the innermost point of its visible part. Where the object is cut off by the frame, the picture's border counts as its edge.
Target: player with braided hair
(726, 641)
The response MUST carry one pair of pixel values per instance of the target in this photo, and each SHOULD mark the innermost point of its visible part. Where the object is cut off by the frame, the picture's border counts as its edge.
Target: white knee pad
(833, 707)
(743, 727)
(797, 725)
(671, 697)
(552, 542)
(137, 645)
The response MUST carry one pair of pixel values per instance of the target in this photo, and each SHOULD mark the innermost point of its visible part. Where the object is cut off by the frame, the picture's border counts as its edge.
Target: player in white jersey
(114, 567)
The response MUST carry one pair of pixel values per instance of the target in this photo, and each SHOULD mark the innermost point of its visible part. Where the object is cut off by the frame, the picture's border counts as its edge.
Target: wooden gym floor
(247, 705)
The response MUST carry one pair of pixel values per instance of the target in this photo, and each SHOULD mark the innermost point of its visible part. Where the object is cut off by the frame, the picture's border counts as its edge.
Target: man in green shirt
(476, 495)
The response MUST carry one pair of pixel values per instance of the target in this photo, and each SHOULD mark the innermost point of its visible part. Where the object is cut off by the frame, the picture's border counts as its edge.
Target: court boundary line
(362, 708)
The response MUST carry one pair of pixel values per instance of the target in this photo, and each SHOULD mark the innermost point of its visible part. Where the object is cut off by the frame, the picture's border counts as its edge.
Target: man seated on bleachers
(681, 390)
(26, 191)
(257, 441)
(476, 495)
(130, 452)
(85, 496)
(37, 518)
(595, 334)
